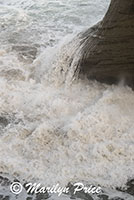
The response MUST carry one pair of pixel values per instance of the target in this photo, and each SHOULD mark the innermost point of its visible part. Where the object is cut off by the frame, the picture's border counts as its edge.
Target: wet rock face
(108, 49)
(107, 59)
(129, 188)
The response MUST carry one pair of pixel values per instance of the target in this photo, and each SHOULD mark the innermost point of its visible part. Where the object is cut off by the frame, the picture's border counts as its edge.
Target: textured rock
(108, 48)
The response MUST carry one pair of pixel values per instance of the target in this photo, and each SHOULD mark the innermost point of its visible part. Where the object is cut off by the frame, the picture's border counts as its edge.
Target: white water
(83, 132)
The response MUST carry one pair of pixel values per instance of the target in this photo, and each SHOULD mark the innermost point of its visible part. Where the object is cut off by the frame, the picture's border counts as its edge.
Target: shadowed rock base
(108, 48)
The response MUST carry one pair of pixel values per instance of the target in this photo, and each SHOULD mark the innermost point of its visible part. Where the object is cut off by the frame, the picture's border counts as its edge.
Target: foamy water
(51, 130)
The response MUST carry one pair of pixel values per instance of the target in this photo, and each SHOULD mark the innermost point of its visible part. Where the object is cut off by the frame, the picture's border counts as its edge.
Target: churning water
(50, 130)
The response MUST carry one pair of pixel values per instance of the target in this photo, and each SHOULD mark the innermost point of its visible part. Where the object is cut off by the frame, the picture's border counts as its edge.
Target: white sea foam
(84, 132)
(81, 133)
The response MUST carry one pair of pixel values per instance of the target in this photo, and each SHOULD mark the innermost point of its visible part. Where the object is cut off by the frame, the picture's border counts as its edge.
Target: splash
(53, 133)
(57, 134)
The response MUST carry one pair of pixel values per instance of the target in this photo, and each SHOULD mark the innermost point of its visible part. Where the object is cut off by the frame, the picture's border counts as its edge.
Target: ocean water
(53, 130)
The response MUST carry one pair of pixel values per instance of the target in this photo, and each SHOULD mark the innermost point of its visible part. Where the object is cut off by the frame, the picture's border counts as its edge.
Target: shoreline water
(106, 194)
(54, 129)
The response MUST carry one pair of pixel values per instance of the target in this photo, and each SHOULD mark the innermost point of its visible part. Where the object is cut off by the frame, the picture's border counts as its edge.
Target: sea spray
(53, 133)
(59, 65)
(89, 125)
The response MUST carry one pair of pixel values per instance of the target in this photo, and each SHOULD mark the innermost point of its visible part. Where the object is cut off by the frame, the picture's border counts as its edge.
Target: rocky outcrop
(108, 48)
